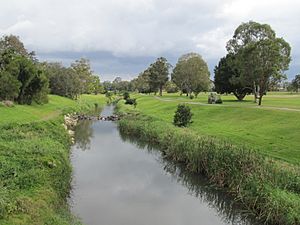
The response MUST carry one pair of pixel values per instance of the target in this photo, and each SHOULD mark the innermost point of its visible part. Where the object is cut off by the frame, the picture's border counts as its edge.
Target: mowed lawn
(272, 99)
(35, 112)
(274, 132)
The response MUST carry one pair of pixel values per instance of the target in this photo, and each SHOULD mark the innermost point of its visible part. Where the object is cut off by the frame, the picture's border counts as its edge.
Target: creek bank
(35, 170)
(263, 187)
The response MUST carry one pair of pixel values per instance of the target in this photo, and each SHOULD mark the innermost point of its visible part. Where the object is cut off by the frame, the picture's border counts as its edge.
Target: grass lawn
(275, 133)
(272, 99)
(55, 106)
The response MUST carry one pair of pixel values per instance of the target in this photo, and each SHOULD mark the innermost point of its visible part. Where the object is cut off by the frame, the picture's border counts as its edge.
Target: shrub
(126, 95)
(131, 101)
(191, 96)
(182, 116)
(219, 101)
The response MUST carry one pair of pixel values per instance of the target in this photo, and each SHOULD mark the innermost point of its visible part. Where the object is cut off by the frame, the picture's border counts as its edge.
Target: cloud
(141, 28)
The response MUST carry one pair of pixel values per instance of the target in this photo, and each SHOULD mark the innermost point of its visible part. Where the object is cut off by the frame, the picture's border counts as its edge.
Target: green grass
(35, 170)
(272, 99)
(56, 105)
(275, 133)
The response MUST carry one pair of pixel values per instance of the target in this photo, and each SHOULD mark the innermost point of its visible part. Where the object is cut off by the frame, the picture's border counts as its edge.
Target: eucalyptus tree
(261, 55)
(191, 73)
(158, 74)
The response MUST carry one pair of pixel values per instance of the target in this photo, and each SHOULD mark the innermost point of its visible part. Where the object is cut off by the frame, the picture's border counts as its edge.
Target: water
(119, 181)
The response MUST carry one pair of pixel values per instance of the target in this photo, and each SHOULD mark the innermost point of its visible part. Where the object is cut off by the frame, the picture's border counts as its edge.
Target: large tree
(227, 78)
(191, 73)
(261, 55)
(83, 70)
(158, 74)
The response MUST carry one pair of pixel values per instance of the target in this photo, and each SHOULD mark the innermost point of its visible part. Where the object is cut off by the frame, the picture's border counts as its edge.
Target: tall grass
(35, 174)
(266, 189)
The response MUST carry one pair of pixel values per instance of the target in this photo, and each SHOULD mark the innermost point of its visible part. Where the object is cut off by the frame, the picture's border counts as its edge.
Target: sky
(123, 37)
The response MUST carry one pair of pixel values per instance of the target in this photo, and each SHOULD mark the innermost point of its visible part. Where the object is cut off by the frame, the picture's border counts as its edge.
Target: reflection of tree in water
(83, 134)
(229, 210)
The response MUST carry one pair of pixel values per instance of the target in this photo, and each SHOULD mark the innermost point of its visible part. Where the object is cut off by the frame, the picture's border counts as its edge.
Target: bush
(191, 96)
(219, 101)
(182, 116)
(126, 95)
(131, 101)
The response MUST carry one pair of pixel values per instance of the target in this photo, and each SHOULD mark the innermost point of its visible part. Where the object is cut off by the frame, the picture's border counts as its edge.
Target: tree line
(25, 80)
(190, 75)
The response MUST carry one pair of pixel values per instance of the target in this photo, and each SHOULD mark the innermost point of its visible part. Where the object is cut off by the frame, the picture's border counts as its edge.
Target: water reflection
(84, 130)
(228, 209)
(83, 134)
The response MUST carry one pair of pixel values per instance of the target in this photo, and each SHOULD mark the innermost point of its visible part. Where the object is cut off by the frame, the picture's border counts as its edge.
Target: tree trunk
(260, 98)
(160, 91)
(255, 92)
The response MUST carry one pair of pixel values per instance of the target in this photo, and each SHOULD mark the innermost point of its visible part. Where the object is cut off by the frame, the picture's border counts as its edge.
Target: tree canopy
(227, 78)
(260, 54)
(191, 74)
(158, 74)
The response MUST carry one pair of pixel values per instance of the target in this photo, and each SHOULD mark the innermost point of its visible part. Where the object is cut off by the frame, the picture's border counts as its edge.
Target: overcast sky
(122, 37)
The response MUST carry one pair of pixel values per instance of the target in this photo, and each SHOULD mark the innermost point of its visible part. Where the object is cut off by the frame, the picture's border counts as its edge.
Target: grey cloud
(123, 36)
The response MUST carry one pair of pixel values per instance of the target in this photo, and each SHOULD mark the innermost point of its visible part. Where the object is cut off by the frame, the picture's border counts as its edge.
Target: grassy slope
(275, 133)
(35, 170)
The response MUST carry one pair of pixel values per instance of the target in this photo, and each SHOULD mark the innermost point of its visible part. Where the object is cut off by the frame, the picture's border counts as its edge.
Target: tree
(191, 74)
(34, 83)
(9, 86)
(83, 70)
(182, 116)
(158, 74)
(261, 55)
(96, 86)
(227, 78)
(295, 84)
(142, 83)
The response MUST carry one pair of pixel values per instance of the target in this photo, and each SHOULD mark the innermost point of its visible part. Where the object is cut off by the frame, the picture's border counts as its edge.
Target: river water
(120, 181)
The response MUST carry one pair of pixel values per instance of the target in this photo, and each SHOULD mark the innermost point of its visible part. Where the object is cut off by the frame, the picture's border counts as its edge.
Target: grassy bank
(274, 133)
(35, 168)
(266, 188)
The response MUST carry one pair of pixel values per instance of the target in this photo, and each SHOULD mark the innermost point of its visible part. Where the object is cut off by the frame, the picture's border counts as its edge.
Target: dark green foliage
(228, 78)
(25, 81)
(9, 86)
(219, 101)
(126, 95)
(183, 116)
(262, 187)
(131, 101)
(158, 74)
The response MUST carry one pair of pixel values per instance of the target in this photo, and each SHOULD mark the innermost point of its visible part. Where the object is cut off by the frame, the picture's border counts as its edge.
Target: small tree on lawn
(183, 116)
